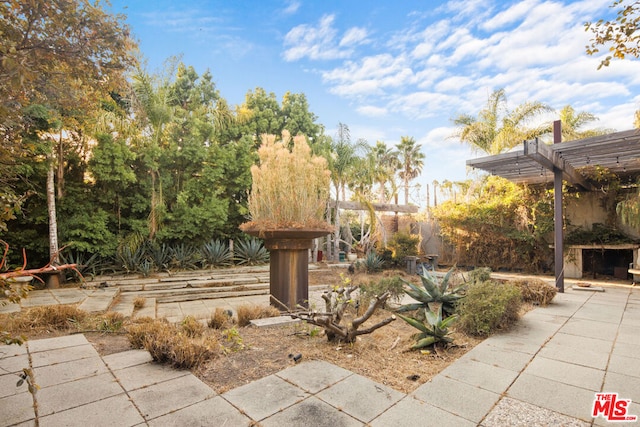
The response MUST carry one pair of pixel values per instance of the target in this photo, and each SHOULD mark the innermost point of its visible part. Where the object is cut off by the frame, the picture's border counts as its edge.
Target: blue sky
(391, 69)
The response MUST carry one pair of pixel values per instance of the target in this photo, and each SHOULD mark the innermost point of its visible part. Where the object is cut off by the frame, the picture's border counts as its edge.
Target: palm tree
(496, 129)
(411, 160)
(154, 110)
(572, 122)
(383, 163)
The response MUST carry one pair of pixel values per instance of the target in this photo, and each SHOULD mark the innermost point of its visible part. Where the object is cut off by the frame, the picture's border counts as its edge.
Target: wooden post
(558, 224)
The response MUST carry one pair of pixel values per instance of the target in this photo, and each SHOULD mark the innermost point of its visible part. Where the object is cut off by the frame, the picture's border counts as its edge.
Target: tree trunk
(51, 207)
(60, 169)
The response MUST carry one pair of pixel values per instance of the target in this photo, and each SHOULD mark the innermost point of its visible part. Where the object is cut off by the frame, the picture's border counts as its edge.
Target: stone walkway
(546, 371)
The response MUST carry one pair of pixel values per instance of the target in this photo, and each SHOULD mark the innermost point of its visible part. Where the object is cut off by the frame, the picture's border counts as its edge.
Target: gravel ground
(515, 413)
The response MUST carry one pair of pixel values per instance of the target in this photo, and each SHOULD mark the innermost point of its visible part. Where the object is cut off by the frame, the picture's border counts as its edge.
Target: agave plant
(184, 257)
(433, 293)
(372, 263)
(251, 252)
(160, 254)
(215, 254)
(432, 330)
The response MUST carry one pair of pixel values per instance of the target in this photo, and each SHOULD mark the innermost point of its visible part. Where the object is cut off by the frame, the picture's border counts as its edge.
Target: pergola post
(558, 224)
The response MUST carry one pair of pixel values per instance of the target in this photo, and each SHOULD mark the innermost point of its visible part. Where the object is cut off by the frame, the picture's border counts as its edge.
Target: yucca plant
(433, 293)
(432, 330)
(216, 254)
(251, 252)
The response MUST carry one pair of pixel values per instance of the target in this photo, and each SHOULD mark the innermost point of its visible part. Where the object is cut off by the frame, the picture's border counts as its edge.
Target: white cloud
(321, 42)
(292, 7)
(372, 111)
(508, 16)
(354, 36)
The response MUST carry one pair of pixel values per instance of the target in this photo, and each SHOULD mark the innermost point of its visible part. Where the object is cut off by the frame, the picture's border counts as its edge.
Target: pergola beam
(551, 160)
(378, 207)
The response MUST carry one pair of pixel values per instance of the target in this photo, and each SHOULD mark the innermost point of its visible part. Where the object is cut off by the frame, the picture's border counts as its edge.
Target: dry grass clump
(139, 302)
(46, 317)
(111, 321)
(220, 319)
(192, 327)
(246, 313)
(170, 344)
(536, 291)
(290, 187)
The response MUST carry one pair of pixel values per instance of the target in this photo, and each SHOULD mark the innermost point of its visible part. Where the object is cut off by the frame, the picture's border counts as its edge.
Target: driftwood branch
(375, 303)
(48, 268)
(336, 302)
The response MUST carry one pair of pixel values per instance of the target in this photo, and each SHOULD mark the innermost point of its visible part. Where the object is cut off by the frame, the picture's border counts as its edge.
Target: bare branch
(375, 303)
(376, 326)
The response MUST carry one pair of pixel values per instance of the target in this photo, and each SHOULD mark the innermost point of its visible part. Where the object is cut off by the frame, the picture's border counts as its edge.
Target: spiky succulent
(432, 330)
(433, 292)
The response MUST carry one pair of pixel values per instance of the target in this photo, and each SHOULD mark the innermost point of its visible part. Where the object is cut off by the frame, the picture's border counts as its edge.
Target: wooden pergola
(540, 163)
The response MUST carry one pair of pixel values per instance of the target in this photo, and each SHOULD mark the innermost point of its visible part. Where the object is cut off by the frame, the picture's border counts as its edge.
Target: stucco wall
(587, 209)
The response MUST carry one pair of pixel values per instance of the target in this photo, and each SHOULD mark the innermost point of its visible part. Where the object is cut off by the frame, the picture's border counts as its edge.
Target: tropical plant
(411, 161)
(433, 328)
(216, 254)
(497, 129)
(250, 252)
(433, 293)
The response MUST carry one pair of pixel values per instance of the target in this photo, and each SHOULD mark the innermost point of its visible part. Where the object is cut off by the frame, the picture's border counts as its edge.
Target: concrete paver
(347, 395)
(464, 400)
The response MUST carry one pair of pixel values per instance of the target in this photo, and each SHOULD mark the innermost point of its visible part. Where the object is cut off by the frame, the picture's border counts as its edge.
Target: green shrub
(403, 245)
(394, 285)
(488, 307)
(480, 275)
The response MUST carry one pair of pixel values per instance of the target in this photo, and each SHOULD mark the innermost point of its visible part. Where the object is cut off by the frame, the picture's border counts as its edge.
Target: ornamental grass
(290, 186)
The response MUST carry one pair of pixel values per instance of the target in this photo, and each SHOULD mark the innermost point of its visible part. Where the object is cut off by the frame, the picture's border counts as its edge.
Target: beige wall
(586, 210)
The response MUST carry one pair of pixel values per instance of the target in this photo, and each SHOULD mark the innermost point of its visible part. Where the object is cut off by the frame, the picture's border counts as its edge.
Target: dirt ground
(251, 353)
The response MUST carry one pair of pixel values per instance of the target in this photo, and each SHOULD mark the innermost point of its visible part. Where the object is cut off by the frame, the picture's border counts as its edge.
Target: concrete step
(210, 291)
(204, 295)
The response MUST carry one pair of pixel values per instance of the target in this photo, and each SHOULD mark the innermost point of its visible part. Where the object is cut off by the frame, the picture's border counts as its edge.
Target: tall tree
(621, 35)
(154, 103)
(66, 54)
(297, 117)
(411, 160)
(496, 129)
